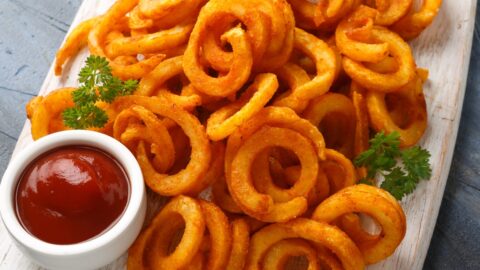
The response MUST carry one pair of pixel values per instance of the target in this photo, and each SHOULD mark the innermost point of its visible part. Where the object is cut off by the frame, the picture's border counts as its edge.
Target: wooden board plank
(444, 49)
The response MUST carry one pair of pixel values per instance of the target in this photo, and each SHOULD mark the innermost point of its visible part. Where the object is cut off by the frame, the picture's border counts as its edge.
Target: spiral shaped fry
(262, 206)
(353, 37)
(164, 10)
(219, 234)
(324, 60)
(388, 82)
(412, 24)
(324, 15)
(362, 131)
(225, 84)
(339, 170)
(76, 40)
(404, 111)
(276, 117)
(334, 174)
(302, 185)
(45, 113)
(155, 27)
(97, 38)
(248, 46)
(156, 83)
(156, 42)
(398, 49)
(316, 233)
(156, 239)
(271, 116)
(294, 76)
(301, 88)
(197, 217)
(240, 244)
(334, 115)
(185, 181)
(279, 254)
(224, 121)
(391, 11)
(137, 124)
(376, 203)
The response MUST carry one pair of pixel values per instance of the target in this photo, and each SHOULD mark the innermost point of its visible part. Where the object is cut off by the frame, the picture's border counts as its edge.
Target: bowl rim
(94, 139)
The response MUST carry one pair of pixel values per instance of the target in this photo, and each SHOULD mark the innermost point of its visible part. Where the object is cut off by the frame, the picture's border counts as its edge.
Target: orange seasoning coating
(71, 194)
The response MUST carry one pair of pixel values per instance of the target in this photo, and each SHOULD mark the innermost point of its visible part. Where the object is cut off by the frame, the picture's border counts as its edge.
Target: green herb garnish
(401, 178)
(96, 84)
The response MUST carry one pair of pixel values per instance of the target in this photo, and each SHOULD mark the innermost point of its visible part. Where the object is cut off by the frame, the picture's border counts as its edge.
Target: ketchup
(71, 194)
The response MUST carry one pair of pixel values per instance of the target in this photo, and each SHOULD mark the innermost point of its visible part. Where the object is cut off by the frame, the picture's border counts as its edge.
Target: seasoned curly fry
(46, 113)
(384, 82)
(225, 120)
(376, 203)
(97, 35)
(404, 111)
(412, 25)
(318, 233)
(75, 41)
(155, 83)
(152, 131)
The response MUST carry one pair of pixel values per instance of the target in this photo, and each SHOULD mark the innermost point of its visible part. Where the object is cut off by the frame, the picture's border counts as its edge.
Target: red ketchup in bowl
(71, 194)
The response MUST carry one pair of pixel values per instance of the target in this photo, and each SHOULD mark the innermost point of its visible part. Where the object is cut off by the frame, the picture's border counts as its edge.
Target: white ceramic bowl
(92, 253)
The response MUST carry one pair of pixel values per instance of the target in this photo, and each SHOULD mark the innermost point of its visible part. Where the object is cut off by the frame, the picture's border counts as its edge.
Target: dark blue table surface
(31, 31)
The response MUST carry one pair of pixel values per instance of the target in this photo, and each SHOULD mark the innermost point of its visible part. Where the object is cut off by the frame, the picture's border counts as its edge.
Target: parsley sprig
(382, 158)
(96, 84)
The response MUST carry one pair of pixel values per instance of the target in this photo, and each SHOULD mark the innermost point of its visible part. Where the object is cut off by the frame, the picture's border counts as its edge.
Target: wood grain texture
(457, 234)
(444, 49)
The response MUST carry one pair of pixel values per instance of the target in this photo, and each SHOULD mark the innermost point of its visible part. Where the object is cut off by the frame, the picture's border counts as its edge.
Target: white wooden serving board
(444, 49)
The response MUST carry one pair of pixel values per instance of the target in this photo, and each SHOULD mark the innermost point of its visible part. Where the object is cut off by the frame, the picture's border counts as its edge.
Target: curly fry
(354, 39)
(96, 42)
(277, 256)
(75, 41)
(334, 115)
(152, 246)
(410, 26)
(157, 42)
(184, 181)
(388, 82)
(294, 76)
(391, 11)
(219, 234)
(375, 202)
(362, 131)
(262, 206)
(240, 243)
(223, 85)
(318, 233)
(325, 63)
(155, 83)
(276, 117)
(160, 9)
(404, 111)
(224, 121)
(46, 112)
(303, 184)
(152, 131)
(323, 15)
